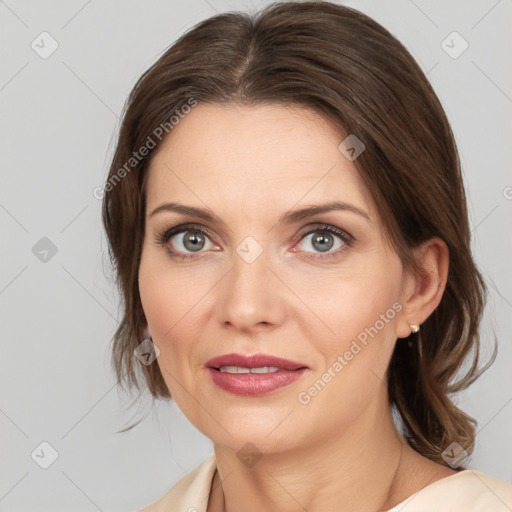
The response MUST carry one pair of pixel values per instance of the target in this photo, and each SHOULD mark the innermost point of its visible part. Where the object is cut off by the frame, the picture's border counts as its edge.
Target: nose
(251, 298)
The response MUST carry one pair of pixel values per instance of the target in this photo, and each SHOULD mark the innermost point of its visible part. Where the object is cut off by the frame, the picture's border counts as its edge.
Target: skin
(249, 165)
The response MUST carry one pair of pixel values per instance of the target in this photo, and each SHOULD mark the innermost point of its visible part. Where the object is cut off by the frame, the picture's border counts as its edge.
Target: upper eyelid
(200, 227)
(181, 228)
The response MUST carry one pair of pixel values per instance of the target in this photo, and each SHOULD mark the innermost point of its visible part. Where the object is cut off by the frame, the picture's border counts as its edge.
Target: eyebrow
(286, 218)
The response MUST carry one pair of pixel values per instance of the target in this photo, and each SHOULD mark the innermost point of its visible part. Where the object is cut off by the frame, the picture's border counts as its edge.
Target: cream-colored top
(467, 491)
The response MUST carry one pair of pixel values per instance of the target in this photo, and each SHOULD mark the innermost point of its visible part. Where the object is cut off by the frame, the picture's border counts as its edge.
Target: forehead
(253, 158)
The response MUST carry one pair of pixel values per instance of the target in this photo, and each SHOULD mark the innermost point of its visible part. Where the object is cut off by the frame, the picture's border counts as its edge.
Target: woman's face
(259, 278)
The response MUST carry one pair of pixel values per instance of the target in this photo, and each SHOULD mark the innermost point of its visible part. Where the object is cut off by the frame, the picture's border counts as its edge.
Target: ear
(423, 289)
(147, 332)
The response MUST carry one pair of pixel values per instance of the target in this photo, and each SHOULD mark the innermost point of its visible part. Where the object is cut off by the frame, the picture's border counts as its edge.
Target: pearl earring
(414, 328)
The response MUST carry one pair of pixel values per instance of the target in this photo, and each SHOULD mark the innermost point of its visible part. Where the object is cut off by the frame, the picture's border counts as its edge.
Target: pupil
(193, 242)
(325, 242)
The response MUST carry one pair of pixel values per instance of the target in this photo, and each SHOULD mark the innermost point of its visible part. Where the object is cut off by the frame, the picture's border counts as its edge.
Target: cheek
(362, 312)
(162, 302)
(157, 294)
(168, 295)
(352, 301)
(174, 303)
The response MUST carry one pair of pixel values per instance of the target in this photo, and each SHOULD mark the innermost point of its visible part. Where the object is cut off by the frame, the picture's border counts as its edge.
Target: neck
(358, 469)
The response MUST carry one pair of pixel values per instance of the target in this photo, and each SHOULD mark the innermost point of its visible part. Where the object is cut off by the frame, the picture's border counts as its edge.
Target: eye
(190, 240)
(325, 239)
(185, 240)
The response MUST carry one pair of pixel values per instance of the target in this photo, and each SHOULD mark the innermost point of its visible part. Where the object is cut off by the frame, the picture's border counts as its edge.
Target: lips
(278, 373)
(253, 361)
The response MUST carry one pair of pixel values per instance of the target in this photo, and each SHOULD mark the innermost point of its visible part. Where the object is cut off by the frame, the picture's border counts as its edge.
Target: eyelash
(164, 236)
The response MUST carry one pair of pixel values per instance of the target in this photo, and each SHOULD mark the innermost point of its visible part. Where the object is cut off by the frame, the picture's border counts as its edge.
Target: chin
(257, 442)
(266, 431)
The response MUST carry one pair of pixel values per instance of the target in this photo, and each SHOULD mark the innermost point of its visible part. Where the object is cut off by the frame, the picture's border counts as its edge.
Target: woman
(287, 218)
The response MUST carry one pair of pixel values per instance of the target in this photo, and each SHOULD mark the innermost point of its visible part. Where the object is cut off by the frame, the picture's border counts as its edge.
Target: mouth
(253, 375)
(262, 363)
(242, 369)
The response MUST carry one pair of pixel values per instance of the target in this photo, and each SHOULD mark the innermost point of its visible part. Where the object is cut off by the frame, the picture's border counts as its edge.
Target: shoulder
(189, 493)
(468, 490)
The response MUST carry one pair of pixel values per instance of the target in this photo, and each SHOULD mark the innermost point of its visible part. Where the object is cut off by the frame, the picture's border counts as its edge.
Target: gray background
(59, 117)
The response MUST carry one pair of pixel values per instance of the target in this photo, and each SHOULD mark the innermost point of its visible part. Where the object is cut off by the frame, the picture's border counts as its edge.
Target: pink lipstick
(253, 375)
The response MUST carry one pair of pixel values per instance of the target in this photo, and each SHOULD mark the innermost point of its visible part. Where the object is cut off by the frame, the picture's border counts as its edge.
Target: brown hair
(351, 70)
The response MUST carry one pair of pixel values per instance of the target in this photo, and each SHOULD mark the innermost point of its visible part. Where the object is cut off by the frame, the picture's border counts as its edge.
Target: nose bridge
(250, 275)
(249, 295)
